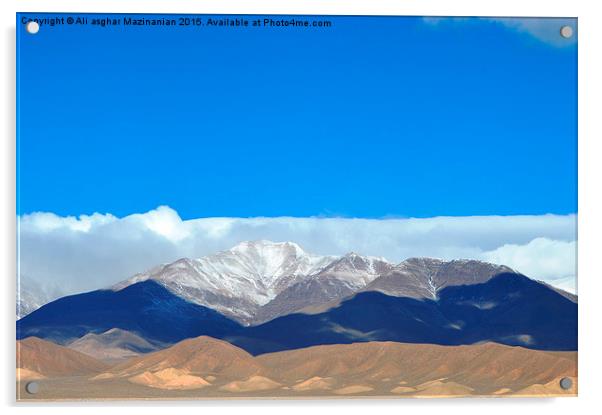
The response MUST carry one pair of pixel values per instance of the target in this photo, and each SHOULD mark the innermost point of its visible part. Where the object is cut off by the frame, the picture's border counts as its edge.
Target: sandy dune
(205, 367)
(104, 375)
(551, 388)
(435, 388)
(41, 357)
(26, 374)
(353, 389)
(403, 389)
(201, 356)
(484, 368)
(113, 346)
(254, 383)
(170, 379)
(441, 388)
(315, 383)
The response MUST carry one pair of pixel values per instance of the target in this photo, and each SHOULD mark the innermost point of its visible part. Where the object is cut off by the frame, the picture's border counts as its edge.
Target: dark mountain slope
(509, 309)
(146, 308)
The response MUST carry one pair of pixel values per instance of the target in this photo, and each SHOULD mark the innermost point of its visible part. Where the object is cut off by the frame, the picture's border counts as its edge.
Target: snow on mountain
(256, 281)
(355, 270)
(238, 281)
(252, 283)
(341, 278)
(425, 277)
(31, 295)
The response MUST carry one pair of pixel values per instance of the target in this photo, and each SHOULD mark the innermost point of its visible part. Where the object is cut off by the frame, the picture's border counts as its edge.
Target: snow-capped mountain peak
(239, 280)
(355, 269)
(256, 281)
(359, 263)
(269, 261)
(425, 277)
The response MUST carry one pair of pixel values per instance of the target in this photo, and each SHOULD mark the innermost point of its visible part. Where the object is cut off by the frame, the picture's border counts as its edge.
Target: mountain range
(509, 309)
(266, 297)
(268, 319)
(113, 346)
(32, 294)
(255, 281)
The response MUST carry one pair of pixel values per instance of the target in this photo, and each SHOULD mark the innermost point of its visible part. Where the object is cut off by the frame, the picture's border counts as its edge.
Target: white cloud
(95, 251)
(544, 29)
(163, 221)
(550, 260)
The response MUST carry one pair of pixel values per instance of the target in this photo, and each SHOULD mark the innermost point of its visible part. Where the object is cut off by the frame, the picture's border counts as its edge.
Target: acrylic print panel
(296, 206)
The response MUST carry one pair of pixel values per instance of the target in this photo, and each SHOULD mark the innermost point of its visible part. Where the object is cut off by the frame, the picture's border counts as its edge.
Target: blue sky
(374, 117)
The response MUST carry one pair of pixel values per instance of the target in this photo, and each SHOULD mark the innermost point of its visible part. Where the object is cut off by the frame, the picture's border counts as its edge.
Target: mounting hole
(32, 27)
(32, 387)
(566, 383)
(566, 32)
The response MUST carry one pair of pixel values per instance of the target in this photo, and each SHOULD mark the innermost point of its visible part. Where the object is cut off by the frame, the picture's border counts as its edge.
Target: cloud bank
(544, 29)
(90, 252)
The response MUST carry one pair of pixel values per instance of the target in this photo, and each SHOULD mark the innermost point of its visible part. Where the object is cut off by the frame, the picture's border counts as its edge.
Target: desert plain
(207, 368)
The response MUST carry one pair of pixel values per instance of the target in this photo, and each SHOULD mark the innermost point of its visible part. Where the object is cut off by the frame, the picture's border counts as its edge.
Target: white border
(590, 183)
(358, 7)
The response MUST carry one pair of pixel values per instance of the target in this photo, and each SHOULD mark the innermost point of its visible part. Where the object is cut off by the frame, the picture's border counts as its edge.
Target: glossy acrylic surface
(295, 206)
